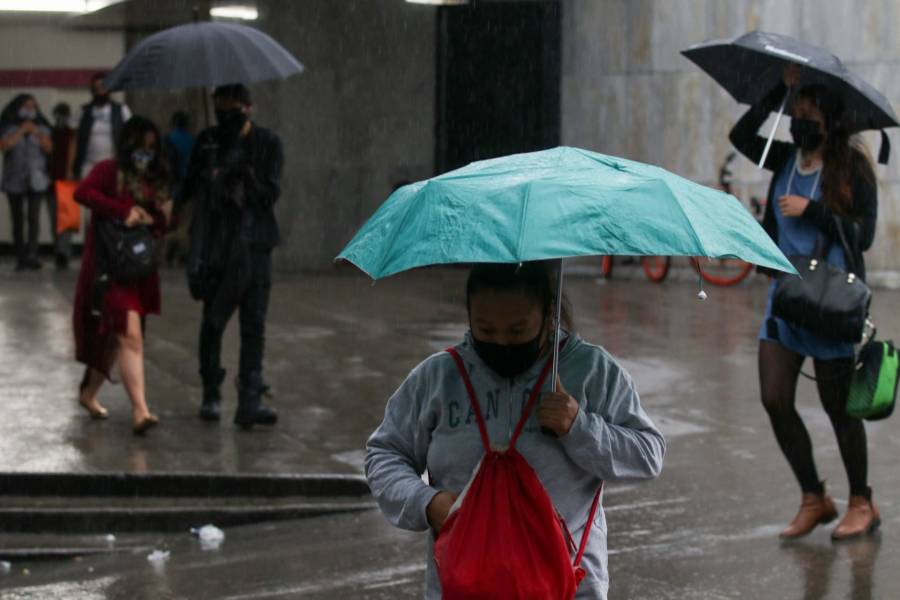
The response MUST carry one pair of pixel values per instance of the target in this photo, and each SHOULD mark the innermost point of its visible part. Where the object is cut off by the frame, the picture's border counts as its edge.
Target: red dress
(96, 336)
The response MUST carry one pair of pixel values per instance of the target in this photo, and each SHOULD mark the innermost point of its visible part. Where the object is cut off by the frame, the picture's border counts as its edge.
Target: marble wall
(626, 89)
(356, 122)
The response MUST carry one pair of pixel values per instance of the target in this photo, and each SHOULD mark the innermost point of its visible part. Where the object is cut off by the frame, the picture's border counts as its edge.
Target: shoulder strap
(473, 399)
(587, 527)
(476, 408)
(849, 255)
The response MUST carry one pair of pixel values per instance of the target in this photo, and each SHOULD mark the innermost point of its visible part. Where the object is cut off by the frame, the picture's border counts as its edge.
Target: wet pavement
(338, 346)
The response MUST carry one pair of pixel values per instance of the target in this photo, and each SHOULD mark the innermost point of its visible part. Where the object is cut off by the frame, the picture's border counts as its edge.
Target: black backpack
(127, 255)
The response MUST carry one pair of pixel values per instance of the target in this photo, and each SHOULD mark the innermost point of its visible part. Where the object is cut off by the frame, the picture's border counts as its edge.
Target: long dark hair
(844, 155)
(132, 138)
(536, 279)
(10, 114)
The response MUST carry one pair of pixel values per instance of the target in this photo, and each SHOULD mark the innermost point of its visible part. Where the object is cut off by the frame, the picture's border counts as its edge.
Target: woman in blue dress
(824, 174)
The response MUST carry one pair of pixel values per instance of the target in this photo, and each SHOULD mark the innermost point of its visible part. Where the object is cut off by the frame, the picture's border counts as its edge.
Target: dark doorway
(498, 80)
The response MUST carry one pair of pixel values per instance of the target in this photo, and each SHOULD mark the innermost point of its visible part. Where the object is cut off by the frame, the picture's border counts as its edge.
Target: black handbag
(129, 254)
(826, 300)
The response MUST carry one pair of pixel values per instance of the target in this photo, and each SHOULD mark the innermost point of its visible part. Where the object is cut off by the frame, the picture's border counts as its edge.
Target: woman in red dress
(109, 316)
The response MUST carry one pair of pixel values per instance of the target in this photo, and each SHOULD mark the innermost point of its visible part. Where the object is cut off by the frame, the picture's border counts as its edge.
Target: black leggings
(779, 369)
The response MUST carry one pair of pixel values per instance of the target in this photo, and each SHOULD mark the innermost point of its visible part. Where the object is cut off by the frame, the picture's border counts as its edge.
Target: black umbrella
(750, 65)
(202, 54)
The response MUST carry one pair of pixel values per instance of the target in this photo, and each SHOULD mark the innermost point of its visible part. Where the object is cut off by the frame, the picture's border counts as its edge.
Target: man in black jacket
(234, 180)
(98, 129)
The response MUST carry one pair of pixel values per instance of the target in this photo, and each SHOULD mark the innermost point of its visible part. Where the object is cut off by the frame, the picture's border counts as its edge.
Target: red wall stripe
(56, 78)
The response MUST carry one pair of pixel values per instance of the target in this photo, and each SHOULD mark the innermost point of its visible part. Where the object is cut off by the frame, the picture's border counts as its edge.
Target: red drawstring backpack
(506, 541)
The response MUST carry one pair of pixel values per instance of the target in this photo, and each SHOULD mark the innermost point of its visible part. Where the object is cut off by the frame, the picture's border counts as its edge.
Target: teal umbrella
(555, 204)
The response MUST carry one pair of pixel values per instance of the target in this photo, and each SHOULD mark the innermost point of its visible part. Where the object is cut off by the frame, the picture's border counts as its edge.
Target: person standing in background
(63, 153)
(25, 142)
(177, 146)
(98, 128)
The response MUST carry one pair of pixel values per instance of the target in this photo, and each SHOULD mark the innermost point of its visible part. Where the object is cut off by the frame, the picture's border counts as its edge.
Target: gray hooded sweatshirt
(429, 426)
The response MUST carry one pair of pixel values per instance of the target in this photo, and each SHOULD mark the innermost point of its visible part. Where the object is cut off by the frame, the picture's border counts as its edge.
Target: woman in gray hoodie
(591, 430)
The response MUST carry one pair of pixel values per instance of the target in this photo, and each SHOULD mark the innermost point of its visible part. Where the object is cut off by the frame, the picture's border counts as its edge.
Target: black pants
(19, 204)
(779, 369)
(252, 310)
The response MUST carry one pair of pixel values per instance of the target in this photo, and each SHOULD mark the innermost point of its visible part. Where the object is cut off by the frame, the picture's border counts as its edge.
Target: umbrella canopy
(751, 65)
(202, 54)
(557, 203)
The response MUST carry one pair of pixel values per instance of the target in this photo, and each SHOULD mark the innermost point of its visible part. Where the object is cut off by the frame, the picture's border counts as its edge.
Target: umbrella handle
(554, 372)
(765, 153)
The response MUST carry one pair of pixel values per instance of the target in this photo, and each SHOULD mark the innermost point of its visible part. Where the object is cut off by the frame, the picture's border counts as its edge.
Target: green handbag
(873, 389)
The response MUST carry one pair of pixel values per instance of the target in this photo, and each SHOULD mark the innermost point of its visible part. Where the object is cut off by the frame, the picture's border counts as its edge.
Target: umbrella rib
(384, 256)
(523, 221)
(687, 219)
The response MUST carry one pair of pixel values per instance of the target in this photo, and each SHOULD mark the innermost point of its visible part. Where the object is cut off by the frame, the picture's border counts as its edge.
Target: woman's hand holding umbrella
(557, 410)
(792, 74)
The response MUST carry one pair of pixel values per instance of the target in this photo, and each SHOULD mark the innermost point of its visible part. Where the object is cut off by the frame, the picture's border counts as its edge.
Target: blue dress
(797, 236)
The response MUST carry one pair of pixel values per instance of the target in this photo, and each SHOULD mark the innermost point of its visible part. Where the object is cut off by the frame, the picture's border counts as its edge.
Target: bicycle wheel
(606, 267)
(656, 267)
(722, 272)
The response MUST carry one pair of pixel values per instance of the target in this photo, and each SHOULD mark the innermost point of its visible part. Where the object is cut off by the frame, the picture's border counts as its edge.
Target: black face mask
(231, 121)
(512, 360)
(806, 134)
(101, 99)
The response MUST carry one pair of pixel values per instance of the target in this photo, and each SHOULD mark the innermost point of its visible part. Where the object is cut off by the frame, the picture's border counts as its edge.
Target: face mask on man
(509, 360)
(27, 114)
(142, 158)
(806, 134)
(231, 121)
(62, 121)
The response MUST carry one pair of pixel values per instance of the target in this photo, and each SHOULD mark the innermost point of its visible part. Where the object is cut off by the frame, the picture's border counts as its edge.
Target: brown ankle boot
(815, 509)
(862, 517)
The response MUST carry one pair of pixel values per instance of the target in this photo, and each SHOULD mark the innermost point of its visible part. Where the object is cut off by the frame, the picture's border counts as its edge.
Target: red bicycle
(722, 272)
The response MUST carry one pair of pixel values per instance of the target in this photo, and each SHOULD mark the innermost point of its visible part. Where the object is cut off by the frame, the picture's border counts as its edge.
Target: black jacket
(858, 226)
(86, 125)
(259, 166)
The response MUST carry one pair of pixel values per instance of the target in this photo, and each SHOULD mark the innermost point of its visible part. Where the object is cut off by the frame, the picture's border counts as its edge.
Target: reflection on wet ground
(338, 346)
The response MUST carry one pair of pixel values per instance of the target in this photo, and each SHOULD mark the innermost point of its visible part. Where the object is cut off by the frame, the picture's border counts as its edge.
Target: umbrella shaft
(762, 159)
(559, 285)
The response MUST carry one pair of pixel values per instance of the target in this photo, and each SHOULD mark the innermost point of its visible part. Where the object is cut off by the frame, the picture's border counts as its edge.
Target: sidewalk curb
(84, 520)
(315, 494)
(182, 485)
(37, 553)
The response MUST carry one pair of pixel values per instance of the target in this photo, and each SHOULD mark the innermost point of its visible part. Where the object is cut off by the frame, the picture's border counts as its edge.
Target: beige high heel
(146, 424)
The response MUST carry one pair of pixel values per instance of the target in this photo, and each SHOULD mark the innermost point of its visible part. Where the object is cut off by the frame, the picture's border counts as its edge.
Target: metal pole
(765, 153)
(559, 285)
